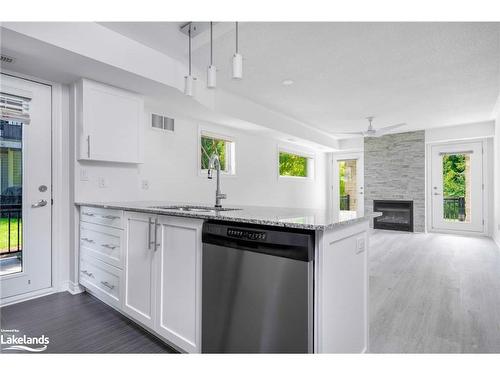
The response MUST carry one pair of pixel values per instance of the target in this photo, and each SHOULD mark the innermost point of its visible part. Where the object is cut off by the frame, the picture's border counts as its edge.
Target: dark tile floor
(79, 324)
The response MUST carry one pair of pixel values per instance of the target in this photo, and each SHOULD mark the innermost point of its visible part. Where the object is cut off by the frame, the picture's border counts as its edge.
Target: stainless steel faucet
(214, 163)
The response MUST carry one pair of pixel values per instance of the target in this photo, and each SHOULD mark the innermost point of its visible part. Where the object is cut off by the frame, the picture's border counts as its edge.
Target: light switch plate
(145, 184)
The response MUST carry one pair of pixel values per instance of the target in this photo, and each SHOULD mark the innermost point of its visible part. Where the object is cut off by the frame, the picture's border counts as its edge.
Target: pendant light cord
(236, 37)
(189, 35)
(211, 45)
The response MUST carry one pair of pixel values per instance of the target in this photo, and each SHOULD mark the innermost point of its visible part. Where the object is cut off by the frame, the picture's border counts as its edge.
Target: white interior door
(457, 190)
(25, 179)
(348, 184)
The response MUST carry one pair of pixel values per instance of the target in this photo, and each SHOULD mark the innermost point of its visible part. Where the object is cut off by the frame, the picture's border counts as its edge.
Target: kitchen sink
(188, 208)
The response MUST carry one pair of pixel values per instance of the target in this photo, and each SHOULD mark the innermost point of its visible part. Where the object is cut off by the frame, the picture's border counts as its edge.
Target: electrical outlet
(145, 184)
(84, 175)
(102, 182)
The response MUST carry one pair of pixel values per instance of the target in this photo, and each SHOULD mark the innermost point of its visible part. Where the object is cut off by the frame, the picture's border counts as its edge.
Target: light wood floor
(434, 293)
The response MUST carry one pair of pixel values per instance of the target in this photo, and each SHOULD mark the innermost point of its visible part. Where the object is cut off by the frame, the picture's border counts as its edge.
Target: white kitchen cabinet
(139, 271)
(178, 293)
(162, 276)
(110, 123)
(341, 322)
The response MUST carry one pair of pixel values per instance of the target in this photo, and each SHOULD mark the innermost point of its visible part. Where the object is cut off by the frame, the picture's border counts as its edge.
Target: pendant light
(189, 79)
(212, 70)
(237, 60)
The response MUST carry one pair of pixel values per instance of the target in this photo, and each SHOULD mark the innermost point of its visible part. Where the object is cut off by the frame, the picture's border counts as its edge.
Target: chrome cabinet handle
(111, 217)
(112, 247)
(89, 274)
(156, 234)
(87, 240)
(87, 214)
(88, 146)
(107, 285)
(150, 221)
(40, 203)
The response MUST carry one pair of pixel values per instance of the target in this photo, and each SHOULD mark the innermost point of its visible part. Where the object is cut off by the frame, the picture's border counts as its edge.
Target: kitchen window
(295, 164)
(221, 145)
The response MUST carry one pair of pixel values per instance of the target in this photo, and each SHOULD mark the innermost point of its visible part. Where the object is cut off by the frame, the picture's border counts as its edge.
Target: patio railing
(454, 208)
(10, 228)
(345, 203)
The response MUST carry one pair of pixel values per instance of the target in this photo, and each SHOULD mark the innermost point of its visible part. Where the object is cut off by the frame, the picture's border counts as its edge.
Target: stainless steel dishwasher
(257, 293)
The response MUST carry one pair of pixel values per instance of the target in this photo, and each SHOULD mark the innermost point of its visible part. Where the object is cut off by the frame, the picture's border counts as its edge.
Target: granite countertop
(284, 217)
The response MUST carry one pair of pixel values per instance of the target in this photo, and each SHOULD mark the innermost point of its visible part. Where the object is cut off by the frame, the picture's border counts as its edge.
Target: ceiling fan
(371, 132)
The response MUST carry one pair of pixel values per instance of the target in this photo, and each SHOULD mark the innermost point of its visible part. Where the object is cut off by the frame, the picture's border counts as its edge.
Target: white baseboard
(26, 296)
(74, 288)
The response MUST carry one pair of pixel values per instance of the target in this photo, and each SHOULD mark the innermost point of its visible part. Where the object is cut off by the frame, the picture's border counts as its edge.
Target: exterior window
(295, 165)
(222, 146)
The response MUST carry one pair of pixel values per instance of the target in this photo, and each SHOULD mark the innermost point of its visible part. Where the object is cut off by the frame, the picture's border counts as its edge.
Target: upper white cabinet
(110, 123)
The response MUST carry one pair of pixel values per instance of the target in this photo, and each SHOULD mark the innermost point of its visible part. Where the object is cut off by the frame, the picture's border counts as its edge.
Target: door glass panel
(348, 185)
(11, 181)
(456, 187)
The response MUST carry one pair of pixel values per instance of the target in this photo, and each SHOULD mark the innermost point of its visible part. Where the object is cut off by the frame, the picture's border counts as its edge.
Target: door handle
(436, 193)
(40, 203)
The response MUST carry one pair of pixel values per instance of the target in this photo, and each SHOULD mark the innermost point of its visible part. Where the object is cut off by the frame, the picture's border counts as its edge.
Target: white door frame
(486, 180)
(60, 193)
(334, 178)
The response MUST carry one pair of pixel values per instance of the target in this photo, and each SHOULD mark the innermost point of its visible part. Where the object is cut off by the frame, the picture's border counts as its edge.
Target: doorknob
(40, 203)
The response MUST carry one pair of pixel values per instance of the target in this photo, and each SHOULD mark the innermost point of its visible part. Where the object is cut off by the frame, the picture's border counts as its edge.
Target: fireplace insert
(396, 215)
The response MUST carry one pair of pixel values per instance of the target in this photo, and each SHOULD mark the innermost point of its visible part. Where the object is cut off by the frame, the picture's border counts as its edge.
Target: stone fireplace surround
(395, 170)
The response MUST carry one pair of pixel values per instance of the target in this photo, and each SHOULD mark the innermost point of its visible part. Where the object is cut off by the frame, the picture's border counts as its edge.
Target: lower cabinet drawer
(102, 216)
(101, 242)
(103, 280)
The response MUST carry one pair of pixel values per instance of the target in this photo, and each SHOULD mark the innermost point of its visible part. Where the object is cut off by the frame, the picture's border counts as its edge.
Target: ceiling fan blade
(350, 133)
(386, 129)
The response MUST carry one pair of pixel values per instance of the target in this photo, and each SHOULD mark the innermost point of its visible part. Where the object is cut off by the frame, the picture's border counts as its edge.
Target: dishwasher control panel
(245, 234)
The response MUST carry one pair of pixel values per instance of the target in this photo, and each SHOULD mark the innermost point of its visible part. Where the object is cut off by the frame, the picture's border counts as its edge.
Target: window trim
(311, 163)
(204, 132)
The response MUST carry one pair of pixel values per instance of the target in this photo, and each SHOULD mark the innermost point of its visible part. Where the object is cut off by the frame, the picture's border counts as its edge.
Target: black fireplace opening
(396, 215)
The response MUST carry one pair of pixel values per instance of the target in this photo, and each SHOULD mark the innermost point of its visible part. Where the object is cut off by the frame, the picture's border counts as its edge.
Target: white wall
(458, 132)
(496, 226)
(171, 168)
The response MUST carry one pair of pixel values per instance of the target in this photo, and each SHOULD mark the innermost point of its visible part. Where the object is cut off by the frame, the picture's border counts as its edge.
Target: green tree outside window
(210, 146)
(293, 165)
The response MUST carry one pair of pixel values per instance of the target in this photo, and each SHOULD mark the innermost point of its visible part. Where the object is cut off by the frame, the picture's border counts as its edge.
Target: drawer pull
(112, 247)
(107, 285)
(111, 217)
(89, 274)
(87, 214)
(87, 240)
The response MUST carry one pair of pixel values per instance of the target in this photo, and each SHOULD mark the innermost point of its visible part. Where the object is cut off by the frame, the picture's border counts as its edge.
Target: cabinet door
(179, 282)
(342, 291)
(138, 291)
(112, 123)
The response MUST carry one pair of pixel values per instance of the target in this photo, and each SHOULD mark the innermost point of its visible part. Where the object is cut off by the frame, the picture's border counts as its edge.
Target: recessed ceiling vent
(162, 122)
(6, 59)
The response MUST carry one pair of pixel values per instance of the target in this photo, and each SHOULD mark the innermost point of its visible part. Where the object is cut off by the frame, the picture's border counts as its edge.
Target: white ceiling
(425, 74)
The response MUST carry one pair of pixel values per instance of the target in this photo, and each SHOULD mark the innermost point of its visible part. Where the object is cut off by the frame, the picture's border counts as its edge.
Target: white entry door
(457, 188)
(25, 187)
(348, 181)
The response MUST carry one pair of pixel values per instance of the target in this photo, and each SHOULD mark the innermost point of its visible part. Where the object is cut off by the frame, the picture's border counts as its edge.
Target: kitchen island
(146, 259)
